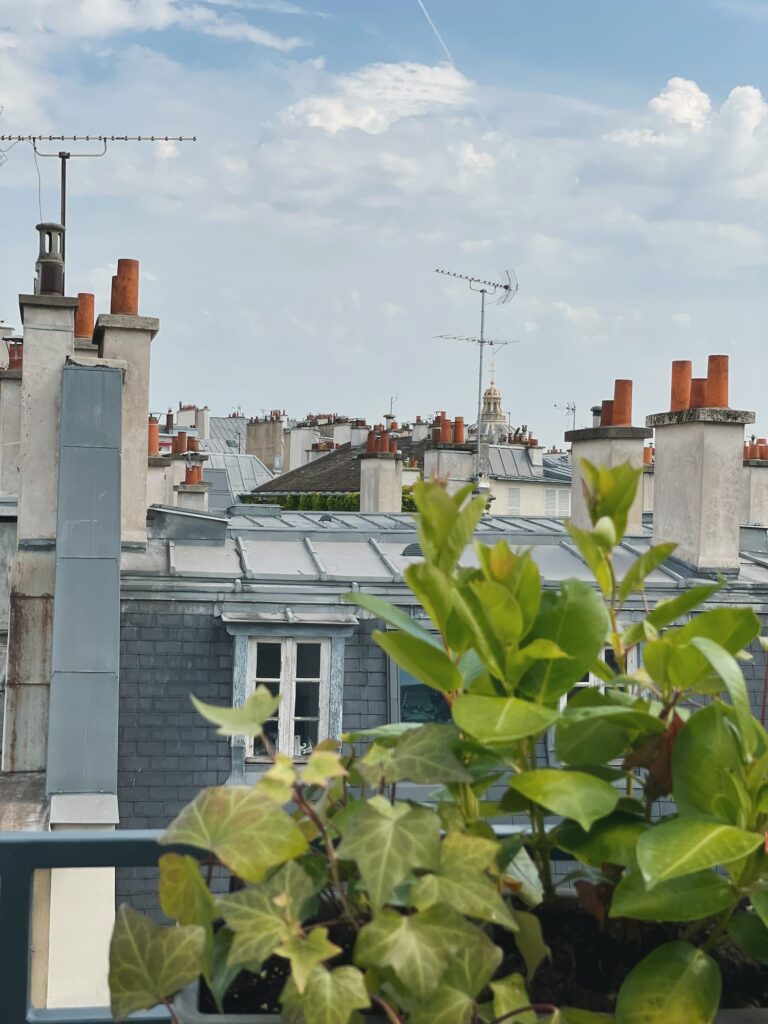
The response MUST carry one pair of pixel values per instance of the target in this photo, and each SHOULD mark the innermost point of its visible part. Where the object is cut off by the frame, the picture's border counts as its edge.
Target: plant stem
(541, 850)
(719, 930)
(170, 1009)
(534, 1007)
(389, 1012)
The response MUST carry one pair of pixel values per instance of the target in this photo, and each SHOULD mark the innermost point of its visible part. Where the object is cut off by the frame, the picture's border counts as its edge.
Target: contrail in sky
(437, 34)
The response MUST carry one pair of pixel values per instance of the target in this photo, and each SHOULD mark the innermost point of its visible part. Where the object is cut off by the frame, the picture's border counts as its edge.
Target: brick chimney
(381, 477)
(613, 441)
(698, 468)
(124, 335)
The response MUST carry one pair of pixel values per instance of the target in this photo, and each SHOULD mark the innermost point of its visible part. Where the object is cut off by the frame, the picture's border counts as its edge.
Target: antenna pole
(480, 382)
(64, 157)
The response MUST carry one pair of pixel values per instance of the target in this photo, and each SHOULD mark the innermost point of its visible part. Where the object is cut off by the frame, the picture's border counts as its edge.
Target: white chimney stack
(381, 475)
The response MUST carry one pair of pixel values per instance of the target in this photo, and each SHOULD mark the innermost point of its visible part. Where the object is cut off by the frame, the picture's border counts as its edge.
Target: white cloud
(476, 244)
(683, 102)
(380, 95)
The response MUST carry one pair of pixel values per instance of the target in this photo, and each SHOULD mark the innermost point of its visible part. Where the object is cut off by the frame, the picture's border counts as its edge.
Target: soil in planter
(589, 963)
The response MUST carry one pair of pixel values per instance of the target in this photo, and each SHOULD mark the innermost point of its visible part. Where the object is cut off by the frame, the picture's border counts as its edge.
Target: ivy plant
(378, 902)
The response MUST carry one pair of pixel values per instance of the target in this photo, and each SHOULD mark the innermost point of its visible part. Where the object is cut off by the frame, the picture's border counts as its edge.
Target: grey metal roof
(220, 496)
(244, 472)
(510, 463)
(223, 429)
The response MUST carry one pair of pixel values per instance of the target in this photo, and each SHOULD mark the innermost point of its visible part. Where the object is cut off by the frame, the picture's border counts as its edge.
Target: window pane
(307, 700)
(270, 728)
(268, 661)
(308, 661)
(304, 738)
(419, 703)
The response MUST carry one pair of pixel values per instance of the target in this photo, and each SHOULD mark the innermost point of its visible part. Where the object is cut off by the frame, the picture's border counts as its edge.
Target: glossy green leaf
(305, 952)
(571, 794)
(576, 619)
(509, 994)
(521, 876)
(245, 830)
(517, 572)
(705, 761)
(682, 899)
(150, 963)
(726, 666)
(411, 945)
(331, 997)
(668, 611)
(433, 589)
(748, 931)
(387, 841)
(389, 733)
(393, 616)
(759, 902)
(425, 756)
(594, 554)
(530, 942)
(444, 527)
(610, 492)
(501, 611)
(422, 660)
(500, 721)
(642, 567)
(246, 720)
(610, 841)
(675, 984)
(686, 845)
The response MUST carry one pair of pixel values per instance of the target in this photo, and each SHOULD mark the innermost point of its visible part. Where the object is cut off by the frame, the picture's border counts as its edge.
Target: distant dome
(494, 420)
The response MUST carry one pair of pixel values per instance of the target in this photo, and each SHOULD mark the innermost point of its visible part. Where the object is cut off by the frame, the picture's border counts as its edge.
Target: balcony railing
(21, 854)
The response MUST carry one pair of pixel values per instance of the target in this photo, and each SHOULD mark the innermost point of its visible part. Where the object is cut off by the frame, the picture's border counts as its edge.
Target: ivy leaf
(521, 876)
(149, 963)
(222, 973)
(277, 783)
(387, 841)
(246, 720)
(322, 766)
(411, 945)
(261, 917)
(682, 899)
(425, 662)
(331, 997)
(684, 846)
(242, 827)
(186, 898)
(571, 794)
(446, 1006)
(424, 755)
(305, 953)
(530, 941)
(748, 931)
(675, 983)
(509, 994)
(500, 721)
(461, 883)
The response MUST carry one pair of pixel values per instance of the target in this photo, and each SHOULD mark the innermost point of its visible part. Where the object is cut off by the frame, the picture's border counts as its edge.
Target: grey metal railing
(21, 854)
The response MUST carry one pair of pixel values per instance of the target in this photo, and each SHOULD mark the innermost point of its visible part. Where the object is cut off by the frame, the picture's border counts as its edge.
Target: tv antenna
(570, 410)
(65, 155)
(501, 292)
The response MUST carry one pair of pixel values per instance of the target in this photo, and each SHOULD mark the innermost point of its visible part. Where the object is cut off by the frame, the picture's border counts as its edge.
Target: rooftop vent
(49, 268)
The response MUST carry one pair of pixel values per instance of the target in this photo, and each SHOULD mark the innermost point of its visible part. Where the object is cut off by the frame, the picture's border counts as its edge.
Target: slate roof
(338, 472)
(222, 429)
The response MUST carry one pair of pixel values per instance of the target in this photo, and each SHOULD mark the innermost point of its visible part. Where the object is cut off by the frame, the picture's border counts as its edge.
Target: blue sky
(614, 153)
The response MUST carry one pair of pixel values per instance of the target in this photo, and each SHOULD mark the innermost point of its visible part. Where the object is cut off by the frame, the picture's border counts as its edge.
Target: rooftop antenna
(502, 292)
(570, 410)
(65, 155)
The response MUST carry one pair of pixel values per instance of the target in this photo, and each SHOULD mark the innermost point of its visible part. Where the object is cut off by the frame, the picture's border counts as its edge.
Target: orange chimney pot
(717, 382)
(84, 315)
(622, 404)
(681, 385)
(125, 288)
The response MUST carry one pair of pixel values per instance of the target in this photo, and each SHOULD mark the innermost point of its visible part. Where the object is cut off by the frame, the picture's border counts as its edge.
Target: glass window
(420, 703)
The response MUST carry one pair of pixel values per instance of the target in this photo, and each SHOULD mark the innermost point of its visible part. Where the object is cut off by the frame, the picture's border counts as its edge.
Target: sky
(614, 154)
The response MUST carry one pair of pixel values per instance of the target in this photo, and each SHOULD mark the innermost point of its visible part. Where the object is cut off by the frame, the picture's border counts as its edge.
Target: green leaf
(500, 721)
(393, 616)
(686, 845)
(568, 1015)
(184, 896)
(444, 527)
(517, 572)
(571, 794)
(387, 841)
(594, 729)
(610, 841)
(610, 492)
(634, 578)
(576, 619)
(509, 994)
(246, 720)
(322, 766)
(245, 830)
(423, 661)
(530, 941)
(261, 916)
(726, 666)
(748, 931)
(411, 945)
(682, 899)
(705, 762)
(594, 554)
(675, 984)
(221, 973)
(149, 963)
(276, 784)
(389, 733)
(668, 611)
(473, 958)
(331, 997)
(446, 1006)
(522, 876)
(305, 952)
(461, 883)
(425, 756)
(501, 611)
(433, 589)
(759, 902)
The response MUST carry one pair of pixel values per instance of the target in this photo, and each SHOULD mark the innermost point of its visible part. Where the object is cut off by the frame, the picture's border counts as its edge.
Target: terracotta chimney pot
(622, 404)
(125, 288)
(698, 393)
(84, 315)
(189, 475)
(647, 456)
(153, 436)
(754, 450)
(193, 444)
(370, 444)
(458, 430)
(681, 385)
(717, 382)
(762, 451)
(393, 445)
(180, 442)
(169, 421)
(446, 429)
(606, 413)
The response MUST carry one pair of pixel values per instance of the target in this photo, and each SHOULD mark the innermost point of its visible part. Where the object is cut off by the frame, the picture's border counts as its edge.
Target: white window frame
(286, 719)
(514, 501)
(558, 499)
(595, 681)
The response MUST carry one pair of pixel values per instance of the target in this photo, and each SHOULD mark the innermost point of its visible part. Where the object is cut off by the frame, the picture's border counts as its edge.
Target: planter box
(185, 1005)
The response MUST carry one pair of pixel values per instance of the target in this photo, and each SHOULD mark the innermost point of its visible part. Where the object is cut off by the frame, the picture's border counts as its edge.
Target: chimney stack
(698, 469)
(611, 442)
(49, 268)
(381, 478)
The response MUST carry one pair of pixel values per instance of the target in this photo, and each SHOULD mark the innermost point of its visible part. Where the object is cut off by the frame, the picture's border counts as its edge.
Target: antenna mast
(506, 289)
(64, 155)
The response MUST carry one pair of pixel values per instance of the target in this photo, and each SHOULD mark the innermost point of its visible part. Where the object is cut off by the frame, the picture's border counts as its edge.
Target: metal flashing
(84, 809)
